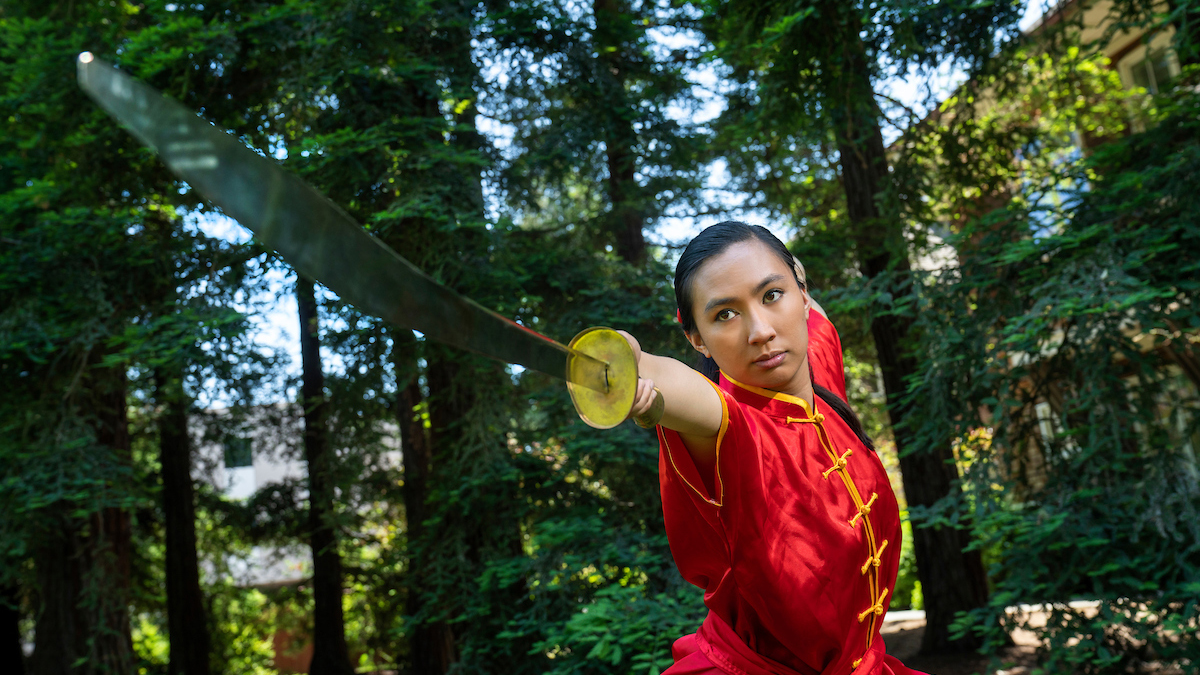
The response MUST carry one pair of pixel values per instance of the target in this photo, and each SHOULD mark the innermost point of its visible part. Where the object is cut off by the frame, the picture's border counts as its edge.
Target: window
(1153, 73)
(1050, 428)
(237, 453)
(1046, 422)
(240, 479)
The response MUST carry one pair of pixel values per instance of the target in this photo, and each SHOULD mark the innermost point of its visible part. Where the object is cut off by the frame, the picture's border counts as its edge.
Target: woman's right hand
(643, 399)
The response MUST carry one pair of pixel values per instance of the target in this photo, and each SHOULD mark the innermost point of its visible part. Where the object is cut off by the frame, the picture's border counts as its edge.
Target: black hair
(713, 241)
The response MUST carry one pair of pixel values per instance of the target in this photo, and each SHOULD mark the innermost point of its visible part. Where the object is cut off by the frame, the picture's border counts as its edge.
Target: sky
(277, 328)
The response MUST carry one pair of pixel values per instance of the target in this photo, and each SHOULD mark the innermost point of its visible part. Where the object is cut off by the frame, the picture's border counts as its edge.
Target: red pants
(716, 641)
(689, 660)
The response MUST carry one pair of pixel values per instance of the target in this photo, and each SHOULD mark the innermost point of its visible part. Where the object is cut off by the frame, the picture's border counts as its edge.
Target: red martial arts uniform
(798, 546)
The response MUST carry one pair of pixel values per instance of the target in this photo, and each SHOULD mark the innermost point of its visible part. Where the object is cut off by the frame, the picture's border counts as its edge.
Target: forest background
(1031, 240)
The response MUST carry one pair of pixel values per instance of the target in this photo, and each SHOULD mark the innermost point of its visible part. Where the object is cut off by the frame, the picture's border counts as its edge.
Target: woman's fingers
(651, 407)
(640, 398)
(643, 399)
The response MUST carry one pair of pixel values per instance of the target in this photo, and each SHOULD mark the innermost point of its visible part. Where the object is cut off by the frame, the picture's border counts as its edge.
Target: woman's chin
(781, 378)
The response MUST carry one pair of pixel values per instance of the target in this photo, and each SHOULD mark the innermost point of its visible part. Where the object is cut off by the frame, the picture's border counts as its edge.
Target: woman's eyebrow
(716, 302)
(761, 285)
(768, 281)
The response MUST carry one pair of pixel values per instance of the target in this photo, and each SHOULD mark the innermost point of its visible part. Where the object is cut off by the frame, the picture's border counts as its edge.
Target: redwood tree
(186, 614)
(330, 654)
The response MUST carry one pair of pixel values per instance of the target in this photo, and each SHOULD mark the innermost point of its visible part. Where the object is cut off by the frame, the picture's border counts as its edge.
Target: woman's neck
(802, 386)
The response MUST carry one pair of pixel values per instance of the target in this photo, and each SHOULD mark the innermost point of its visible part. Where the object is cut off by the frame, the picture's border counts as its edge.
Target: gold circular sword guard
(604, 410)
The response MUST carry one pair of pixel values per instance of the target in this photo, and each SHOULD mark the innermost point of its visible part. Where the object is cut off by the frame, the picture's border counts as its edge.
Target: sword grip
(653, 416)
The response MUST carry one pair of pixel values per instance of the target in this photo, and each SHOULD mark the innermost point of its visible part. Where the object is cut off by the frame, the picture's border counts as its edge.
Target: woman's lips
(770, 360)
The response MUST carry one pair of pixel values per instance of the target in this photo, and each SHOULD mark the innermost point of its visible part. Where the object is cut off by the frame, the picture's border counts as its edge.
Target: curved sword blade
(317, 237)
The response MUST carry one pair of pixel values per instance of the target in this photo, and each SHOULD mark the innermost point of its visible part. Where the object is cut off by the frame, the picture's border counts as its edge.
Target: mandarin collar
(773, 403)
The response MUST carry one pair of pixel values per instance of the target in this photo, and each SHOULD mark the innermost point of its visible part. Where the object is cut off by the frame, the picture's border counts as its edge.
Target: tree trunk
(466, 84)
(187, 625)
(431, 644)
(10, 625)
(61, 629)
(447, 409)
(83, 564)
(952, 580)
(627, 218)
(110, 541)
(330, 654)
(109, 549)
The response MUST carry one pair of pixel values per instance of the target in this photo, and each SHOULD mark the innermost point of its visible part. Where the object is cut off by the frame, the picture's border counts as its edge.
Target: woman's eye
(772, 295)
(724, 315)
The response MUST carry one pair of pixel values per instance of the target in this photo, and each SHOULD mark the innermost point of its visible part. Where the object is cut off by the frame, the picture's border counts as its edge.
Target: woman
(775, 503)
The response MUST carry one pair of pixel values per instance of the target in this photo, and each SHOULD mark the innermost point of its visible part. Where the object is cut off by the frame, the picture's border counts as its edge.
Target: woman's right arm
(692, 406)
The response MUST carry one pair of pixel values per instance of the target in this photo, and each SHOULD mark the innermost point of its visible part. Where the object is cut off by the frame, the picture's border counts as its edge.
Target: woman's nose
(761, 328)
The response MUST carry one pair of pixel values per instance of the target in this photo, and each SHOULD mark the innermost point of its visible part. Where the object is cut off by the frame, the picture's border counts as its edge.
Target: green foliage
(575, 509)
(587, 91)
(1011, 133)
(1088, 312)
(244, 620)
(102, 286)
(623, 630)
(906, 594)
(799, 71)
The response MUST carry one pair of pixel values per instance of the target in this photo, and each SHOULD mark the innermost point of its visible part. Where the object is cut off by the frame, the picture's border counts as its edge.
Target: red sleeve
(825, 354)
(694, 530)
(678, 469)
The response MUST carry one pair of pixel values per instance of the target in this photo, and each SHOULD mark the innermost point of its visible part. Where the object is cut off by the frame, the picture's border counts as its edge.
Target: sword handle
(653, 416)
(603, 399)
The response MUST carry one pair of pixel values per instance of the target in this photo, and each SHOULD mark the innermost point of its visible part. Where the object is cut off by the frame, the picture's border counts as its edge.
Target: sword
(322, 241)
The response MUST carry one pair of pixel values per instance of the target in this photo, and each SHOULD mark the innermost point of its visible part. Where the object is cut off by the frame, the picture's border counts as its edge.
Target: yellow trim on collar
(776, 395)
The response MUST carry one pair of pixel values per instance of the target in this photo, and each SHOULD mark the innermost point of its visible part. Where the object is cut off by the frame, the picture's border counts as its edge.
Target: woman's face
(751, 318)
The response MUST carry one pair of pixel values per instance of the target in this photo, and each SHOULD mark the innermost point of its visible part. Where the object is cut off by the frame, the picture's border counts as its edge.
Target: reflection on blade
(315, 236)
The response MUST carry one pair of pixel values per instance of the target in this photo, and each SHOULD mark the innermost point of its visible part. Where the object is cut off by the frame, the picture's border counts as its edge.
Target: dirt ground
(903, 640)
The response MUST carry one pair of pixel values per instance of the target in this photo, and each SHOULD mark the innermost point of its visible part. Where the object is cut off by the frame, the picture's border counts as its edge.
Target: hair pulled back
(713, 241)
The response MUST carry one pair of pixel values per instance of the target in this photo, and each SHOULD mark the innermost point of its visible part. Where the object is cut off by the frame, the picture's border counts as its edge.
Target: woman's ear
(697, 342)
